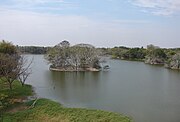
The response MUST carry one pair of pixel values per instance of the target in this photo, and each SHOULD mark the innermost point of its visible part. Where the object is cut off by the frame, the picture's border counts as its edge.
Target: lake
(144, 92)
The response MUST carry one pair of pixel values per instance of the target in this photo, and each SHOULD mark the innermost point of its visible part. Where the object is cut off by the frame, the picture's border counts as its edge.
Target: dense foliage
(77, 57)
(7, 48)
(151, 55)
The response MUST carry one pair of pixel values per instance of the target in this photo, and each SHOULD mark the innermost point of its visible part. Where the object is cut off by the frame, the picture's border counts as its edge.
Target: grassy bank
(49, 111)
(46, 110)
(17, 92)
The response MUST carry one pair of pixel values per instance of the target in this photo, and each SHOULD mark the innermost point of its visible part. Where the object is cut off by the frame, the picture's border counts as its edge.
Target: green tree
(12, 65)
(155, 55)
(135, 53)
(7, 48)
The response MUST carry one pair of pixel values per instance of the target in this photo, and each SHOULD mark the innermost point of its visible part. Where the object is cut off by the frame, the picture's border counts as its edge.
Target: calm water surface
(144, 92)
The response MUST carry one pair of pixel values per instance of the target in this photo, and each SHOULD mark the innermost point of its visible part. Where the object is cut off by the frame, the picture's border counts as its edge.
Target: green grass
(49, 111)
(17, 91)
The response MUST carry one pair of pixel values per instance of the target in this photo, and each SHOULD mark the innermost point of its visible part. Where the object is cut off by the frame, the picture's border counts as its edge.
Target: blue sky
(103, 23)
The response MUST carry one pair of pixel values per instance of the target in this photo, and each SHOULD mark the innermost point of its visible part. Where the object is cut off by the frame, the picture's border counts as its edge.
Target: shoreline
(72, 70)
(40, 109)
(148, 63)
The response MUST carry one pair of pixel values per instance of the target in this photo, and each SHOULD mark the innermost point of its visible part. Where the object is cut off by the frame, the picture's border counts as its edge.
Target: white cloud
(159, 7)
(34, 27)
(36, 5)
(28, 28)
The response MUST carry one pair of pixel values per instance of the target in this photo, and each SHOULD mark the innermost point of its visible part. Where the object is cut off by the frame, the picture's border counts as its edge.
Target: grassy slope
(49, 111)
(17, 91)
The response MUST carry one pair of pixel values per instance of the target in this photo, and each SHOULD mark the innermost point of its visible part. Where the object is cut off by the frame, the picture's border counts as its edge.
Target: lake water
(144, 92)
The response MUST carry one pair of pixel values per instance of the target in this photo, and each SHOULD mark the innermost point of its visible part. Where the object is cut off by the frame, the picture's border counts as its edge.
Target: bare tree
(81, 56)
(14, 67)
(9, 69)
(174, 62)
(25, 69)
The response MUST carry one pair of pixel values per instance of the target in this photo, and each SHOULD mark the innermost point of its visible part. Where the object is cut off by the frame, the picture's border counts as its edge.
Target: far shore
(74, 70)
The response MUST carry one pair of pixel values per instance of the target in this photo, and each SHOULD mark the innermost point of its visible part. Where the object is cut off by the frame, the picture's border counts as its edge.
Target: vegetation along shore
(168, 57)
(15, 105)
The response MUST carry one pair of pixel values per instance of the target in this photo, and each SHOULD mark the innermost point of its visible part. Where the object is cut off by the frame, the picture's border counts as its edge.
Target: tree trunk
(22, 84)
(10, 85)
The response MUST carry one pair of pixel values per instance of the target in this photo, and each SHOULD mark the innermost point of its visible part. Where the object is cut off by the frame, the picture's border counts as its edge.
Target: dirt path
(17, 108)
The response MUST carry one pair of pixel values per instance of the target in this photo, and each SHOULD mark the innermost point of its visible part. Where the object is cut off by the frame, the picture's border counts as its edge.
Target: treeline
(126, 53)
(33, 49)
(152, 55)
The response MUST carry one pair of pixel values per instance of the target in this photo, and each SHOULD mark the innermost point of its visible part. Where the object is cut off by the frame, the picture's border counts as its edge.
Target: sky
(102, 23)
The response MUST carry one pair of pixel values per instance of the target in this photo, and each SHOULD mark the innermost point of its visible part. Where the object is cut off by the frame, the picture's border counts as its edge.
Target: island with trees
(80, 57)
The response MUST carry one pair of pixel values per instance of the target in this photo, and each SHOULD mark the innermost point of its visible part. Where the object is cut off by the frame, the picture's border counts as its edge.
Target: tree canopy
(12, 64)
(7, 48)
(77, 57)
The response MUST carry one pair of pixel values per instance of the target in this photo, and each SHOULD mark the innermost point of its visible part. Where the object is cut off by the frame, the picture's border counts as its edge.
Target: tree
(155, 55)
(174, 62)
(7, 48)
(12, 65)
(63, 44)
(135, 53)
(158, 53)
(85, 56)
(25, 69)
(64, 56)
(75, 56)
(9, 69)
(8, 62)
(152, 47)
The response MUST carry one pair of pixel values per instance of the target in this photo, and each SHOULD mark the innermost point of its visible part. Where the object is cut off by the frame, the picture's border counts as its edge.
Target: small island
(80, 57)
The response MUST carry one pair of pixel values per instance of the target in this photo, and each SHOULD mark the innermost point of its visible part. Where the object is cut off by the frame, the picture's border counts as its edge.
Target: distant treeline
(141, 53)
(170, 57)
(120, 52)
(33, 49)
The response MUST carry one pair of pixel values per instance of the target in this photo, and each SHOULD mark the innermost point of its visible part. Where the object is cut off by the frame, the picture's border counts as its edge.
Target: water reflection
(77, 87)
